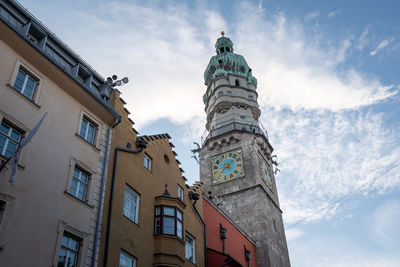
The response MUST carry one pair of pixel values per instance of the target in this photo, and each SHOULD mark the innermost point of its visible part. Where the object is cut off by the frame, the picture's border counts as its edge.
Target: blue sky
(328, 91)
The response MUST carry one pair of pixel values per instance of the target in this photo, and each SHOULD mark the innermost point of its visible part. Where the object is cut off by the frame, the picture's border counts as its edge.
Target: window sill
(135, 223)
(87, 142)
(20, 167)
(35, 105)
(81, 201)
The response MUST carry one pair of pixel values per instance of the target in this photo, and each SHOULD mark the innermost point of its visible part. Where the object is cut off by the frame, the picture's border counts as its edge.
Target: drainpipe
(141, 144)
(196, 197)
(102, 190)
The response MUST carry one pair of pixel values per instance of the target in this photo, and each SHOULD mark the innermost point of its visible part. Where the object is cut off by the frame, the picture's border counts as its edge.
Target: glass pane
(29, 88)
(179, 215)
(169, 226)
(76, 173)
(84, 177)
(11, 147)
(169, 211)
(83, 128)
(179, 229)
(2, 142)
(74, 244)
(15, 135)
(158, 211)
(62, 258)
(82, 191)
(71, 259)
(65, 241)
(19, 81)
(74, 187)
(4, 129)
(90, 135)
(157, 226)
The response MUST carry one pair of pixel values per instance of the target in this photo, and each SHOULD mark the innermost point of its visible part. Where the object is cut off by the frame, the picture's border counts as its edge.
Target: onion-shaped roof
(226, 62)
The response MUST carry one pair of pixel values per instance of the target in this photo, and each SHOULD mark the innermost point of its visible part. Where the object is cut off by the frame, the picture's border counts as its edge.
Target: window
(220, 93)
(229, 93)
(251, 97)
(25, 84)
(131, 205)
(180, 193)
(9, 139)
(168, 220)
(88, 130)
(237, 82)
(147, 162)
(69, 251)
(190, 248)
(126, 260)
(79, 184)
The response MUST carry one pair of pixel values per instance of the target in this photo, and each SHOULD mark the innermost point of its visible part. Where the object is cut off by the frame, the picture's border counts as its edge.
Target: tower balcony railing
(234, 126)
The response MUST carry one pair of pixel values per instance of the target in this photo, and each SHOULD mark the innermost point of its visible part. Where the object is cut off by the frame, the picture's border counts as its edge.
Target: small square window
(180, 193)
(10, 138)
(147, 162)
(79, 184)
(131, 205)
(190, 248)
(69, 251)
(229, 93)
(126, 260)
(26, 83)
(88, 130)
(251, 98)
(220, 93)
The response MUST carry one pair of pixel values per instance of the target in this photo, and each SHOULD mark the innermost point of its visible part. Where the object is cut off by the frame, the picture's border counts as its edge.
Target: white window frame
(89, 124)
(69, 250)
(190, 247)
(147, 162)
(94, 122)
(82, 236)
(9, 138)
(5, 214)
(92, 176)
(127, 201)
(129, 257)
(34, 76)
(180, 193)
(80, 182)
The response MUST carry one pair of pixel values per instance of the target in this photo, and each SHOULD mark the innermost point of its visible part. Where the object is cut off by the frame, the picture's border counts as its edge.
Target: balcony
(234, 126)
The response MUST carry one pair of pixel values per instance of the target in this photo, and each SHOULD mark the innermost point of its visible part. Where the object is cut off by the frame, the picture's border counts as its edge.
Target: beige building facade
(51, 215)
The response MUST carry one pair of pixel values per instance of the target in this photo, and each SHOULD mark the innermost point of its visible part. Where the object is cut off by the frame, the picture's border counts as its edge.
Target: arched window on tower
(227, 49)
(237, 82)
(221, 50)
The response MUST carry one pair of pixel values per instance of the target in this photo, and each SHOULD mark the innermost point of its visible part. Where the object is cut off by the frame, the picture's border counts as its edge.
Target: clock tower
(236, 162)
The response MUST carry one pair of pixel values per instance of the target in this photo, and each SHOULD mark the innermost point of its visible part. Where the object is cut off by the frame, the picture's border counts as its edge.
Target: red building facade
(227, 244)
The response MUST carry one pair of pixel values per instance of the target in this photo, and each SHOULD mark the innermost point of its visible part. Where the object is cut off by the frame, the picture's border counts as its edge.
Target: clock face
(227, 166)
(265, 170)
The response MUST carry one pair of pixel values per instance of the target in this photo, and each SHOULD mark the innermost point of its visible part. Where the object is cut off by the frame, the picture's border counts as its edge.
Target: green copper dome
(226, 62)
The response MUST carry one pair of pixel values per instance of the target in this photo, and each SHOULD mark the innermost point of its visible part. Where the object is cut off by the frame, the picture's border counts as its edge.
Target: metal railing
(234, 126)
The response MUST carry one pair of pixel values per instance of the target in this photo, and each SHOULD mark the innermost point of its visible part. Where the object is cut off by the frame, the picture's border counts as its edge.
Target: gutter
(102, 192)
(195, 197)
(141, 144)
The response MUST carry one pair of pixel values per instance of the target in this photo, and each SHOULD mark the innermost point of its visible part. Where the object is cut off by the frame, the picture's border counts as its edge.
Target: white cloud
(293, 233)
(312, 15)
(308, 101)
(363, 40)
(384, 224)
(381, 45)
(332, 14)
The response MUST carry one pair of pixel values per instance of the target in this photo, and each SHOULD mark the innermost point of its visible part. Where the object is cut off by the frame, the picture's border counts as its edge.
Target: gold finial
(222, 33)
